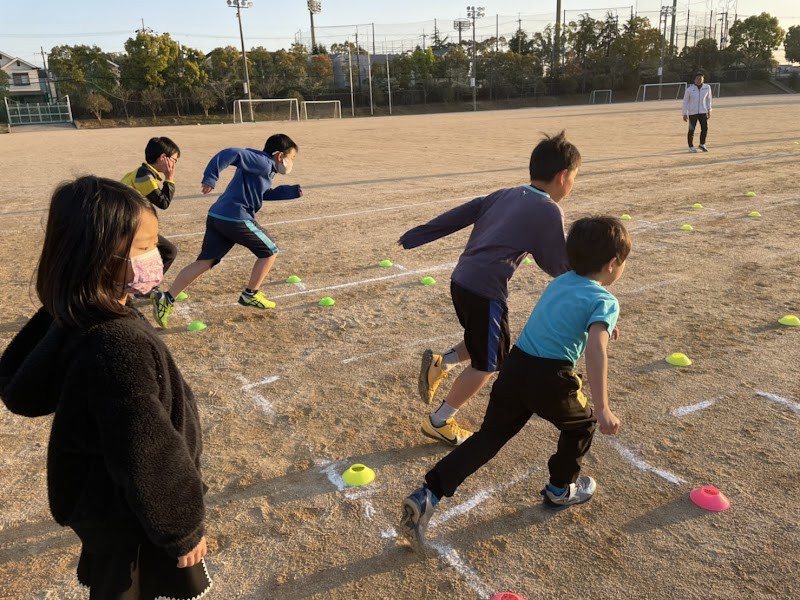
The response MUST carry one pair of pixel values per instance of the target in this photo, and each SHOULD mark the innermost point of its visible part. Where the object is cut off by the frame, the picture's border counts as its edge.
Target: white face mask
(285, 167)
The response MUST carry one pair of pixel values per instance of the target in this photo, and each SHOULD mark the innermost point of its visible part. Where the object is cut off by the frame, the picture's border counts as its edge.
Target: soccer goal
(600, 97)
(320, 111)
(661, 91)
(714, 89)
(277, 112)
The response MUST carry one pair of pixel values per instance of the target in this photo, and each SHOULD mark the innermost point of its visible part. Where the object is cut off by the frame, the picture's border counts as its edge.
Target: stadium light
(314, 8)
(460, 25)
(474, 13)
(239, 5)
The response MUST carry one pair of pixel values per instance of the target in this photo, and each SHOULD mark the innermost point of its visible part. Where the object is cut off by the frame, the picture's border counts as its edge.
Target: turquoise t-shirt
(559, 324)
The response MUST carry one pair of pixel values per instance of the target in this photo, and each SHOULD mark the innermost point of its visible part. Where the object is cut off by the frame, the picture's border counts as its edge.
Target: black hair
(699, 74)
(158, 146)
(92, 222)
(593, 241)
(280, 142)
(553, 155)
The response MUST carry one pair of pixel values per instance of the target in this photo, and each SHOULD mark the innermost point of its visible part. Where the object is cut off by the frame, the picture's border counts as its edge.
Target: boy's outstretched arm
(283, 192)
(443, 225)
(251, 162)
(597, 372)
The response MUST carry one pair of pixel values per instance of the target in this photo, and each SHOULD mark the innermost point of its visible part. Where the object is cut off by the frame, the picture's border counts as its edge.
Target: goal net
(269, 109)
(661, 91)
(600, 97)
(321, 109)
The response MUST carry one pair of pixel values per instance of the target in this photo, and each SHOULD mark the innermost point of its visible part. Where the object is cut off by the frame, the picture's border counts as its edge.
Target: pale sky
(206, 24)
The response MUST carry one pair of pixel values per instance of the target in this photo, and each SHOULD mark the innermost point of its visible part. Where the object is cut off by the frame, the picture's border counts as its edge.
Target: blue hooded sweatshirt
(244, 195)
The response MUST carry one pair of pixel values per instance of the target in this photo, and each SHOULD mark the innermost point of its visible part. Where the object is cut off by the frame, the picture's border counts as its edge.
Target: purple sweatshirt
(509, 224)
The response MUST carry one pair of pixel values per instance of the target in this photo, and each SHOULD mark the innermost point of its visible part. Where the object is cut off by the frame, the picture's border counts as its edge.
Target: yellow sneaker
(162, 307)
(451, 432)
(257, 300)
(431, 374)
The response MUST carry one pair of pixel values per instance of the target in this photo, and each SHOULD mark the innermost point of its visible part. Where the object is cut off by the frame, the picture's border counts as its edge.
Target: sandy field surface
(291, 397)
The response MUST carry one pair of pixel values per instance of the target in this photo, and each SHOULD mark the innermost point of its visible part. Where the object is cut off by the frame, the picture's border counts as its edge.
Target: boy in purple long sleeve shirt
(508, 225)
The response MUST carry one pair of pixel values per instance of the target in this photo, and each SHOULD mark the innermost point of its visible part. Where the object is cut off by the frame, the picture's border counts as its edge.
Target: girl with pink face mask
(124, 451)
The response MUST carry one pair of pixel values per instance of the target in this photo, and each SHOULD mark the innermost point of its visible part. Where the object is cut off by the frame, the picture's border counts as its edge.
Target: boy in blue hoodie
(232, 220)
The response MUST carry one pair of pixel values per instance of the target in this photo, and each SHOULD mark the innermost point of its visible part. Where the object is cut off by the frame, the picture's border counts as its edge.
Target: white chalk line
(353, 359)
(641, 464)
(685, 410)
(249, 386)
(475, 500)
(793, 406)
(433, 269)
(347, 214)
(470, 576)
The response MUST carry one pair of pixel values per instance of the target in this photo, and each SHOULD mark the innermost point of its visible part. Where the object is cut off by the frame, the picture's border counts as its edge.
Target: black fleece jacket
(123, 459)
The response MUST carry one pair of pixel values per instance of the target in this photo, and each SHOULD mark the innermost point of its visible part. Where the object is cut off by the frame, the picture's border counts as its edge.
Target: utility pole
(666, 11)
(475, 13)
(497, 33)
(686, 35)
(239, 5)
(723, 29)
(557, 39)
(314, 7)
(673, 41)
(423, 36)
(358, 66)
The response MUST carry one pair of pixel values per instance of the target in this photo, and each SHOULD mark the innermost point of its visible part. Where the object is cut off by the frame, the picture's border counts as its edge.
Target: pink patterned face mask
(148, 271)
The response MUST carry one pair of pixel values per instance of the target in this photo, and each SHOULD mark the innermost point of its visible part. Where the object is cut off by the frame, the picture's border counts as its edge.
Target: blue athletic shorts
(222, 235)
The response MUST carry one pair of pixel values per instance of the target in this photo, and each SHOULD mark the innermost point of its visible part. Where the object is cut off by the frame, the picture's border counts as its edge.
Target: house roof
(15, 59)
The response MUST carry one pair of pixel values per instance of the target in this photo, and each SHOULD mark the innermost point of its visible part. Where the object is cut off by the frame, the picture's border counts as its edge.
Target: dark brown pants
(527, 385)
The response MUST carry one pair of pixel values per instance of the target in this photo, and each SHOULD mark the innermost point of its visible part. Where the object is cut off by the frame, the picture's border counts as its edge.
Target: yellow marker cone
(386, 263)
(527, 260)
(327, 301)
(182, 296)
(755, 214)
(687, 227)
(625, 217)
(697, 205)
(678, 359)
(293, 279)
(789, 321)
(751, 194)
(196, 326)
(358, 475)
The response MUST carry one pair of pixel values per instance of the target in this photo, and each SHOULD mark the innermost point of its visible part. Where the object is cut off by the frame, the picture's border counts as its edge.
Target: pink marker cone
(710, 498)
(507, 596)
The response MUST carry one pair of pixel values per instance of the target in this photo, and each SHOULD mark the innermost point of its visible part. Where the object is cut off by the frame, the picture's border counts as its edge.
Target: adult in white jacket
(697, 108)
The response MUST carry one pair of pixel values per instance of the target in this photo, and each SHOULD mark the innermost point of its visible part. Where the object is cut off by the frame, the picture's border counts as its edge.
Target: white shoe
(703, 148)
(693, 150)
(575, 493)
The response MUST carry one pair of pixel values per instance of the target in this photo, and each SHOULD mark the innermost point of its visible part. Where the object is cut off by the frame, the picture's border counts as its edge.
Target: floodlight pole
(239, 5)
(460, 25)
(474, 13)
(314, 7)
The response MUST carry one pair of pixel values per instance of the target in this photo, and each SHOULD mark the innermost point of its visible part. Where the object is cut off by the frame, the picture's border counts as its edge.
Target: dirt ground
(289, 399)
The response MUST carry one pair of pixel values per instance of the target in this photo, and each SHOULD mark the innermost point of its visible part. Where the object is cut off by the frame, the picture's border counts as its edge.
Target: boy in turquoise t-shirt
(575, 313)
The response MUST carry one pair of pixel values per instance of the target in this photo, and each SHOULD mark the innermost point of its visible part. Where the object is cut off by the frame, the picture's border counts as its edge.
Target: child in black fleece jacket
(123, 465)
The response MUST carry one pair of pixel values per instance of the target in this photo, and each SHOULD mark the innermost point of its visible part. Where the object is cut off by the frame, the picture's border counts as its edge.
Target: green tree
(97, 104)
(3, 83)
(149, 60)
(320, 74)
(204, 98)
(519, 43)
(80, 69)
(153, 99)
(756, 38)
(703, 55)
(792, 44)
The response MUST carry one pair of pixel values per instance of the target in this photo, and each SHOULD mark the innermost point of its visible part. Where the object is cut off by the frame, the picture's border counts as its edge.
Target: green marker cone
(678, 359)
(625, 217)
(687, 227)
(527, 260)
(386, 263)
(327, 301)
(196, 326)
(293, 279)
(697, 205)
(427, 280)
(751, 194)
(755, 214)
(182, 296)
(789, 321)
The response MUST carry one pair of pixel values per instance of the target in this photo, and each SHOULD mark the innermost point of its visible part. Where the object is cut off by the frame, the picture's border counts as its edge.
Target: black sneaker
(703, 148)
(417, 511)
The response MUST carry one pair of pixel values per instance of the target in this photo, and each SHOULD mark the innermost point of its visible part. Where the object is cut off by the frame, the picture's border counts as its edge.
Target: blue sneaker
(417, 511)
(575, 493)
